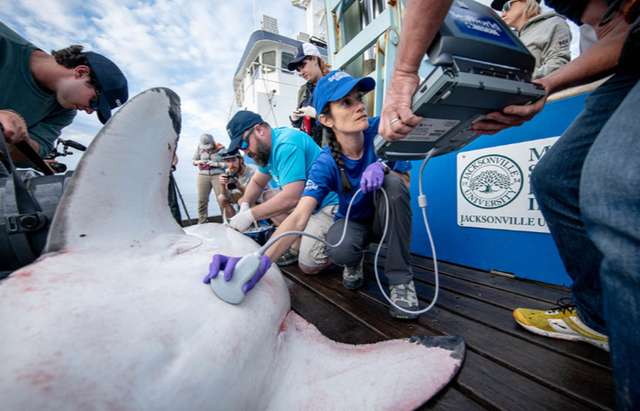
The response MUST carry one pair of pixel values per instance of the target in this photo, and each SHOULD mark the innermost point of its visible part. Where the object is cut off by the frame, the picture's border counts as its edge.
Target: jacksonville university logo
(491, 181)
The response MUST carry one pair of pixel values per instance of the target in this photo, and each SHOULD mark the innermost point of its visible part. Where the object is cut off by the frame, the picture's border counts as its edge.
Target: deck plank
(494, 362)
(493, 307)
(547, 294)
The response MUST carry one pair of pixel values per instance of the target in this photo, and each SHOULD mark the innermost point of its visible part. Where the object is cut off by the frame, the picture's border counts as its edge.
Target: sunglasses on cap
(244, 143)
(94, 103)
(507, 5)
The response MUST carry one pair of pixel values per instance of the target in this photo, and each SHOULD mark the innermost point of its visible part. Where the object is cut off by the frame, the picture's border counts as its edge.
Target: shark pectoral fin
(391, 375)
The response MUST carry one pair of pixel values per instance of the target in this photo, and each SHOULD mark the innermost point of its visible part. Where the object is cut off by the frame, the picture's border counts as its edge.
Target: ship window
(286, 59)
(268, 61)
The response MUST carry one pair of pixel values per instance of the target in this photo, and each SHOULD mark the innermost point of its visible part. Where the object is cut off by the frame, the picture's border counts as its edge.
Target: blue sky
(190, 46)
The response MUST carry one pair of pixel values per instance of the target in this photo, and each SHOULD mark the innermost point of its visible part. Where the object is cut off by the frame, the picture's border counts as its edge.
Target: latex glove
(242, 221)
(228, 264)
(244, 207)
(307, 111)
(372, 177)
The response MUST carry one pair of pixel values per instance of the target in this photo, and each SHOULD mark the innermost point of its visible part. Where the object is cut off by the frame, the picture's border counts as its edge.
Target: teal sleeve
(290, 164)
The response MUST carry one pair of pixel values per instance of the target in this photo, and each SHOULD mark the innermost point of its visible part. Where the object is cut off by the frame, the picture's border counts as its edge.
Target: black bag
(28, 202)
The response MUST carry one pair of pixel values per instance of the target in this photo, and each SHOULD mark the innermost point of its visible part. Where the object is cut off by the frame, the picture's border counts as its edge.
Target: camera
(231, 180)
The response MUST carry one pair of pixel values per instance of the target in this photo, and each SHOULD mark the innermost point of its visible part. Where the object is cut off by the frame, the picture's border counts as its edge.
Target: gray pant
(360, 233)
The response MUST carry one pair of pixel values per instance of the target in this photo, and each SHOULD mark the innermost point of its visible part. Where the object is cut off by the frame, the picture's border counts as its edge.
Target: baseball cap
(303, 50)
(231, 154)
(239, 123)
(114, 91)
(499, 4)
(336, 85)
(206, 141)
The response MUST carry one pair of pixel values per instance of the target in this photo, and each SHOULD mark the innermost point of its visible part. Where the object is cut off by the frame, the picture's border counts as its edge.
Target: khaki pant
(312, 252)
(205, 183)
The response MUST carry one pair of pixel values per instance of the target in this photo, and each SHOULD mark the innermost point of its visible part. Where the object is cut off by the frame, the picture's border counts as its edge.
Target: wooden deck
(506, 367)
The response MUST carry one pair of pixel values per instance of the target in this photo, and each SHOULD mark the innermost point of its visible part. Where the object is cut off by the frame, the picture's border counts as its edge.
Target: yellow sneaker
(561, 322)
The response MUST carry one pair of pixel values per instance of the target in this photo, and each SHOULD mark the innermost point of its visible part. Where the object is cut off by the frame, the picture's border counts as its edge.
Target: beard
(262, 154)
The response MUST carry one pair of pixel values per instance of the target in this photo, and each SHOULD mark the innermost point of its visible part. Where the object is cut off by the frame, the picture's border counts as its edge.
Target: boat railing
(259, 75)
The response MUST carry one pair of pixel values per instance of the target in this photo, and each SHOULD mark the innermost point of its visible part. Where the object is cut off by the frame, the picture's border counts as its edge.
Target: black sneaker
(289, 257)
(352, 276)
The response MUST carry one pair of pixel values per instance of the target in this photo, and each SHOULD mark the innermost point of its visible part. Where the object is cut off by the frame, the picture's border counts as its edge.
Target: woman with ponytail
(346, 164)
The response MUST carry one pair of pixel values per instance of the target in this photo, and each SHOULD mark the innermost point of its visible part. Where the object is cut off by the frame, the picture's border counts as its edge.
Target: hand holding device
(372, 178)
(307, 111)
(232, 277)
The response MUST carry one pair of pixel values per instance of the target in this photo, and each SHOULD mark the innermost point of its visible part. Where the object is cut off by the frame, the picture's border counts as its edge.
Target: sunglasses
(94, 103)
(507, 6)
(244, 143)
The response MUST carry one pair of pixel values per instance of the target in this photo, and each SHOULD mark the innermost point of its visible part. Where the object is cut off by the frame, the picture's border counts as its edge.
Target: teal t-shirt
(19, 92)
(292, 155)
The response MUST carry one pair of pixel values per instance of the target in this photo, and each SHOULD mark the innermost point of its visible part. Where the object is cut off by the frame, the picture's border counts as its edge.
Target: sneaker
(289, 257)
(404, 296)
(561, 322)
(352, 276)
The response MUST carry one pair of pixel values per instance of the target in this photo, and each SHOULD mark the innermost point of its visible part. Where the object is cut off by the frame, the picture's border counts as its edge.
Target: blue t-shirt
(325, 180)
(292, 155)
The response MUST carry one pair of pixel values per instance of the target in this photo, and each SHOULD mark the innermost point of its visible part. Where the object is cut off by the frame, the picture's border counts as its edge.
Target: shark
(114, 314)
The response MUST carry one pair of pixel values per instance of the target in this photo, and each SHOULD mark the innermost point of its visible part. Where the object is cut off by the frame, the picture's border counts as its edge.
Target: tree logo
(491, 181)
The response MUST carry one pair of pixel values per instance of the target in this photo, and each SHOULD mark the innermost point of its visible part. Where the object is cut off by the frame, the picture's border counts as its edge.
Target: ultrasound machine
(481, 66)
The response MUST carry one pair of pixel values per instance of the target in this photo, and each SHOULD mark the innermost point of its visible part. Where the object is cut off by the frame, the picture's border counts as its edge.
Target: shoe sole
(287, 262)
(559, 336)
(400, 315)
(352, 285)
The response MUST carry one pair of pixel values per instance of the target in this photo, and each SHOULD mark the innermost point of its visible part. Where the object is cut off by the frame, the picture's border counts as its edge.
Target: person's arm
(597, 62)
(223, 185)
(557, 51)
(422, 20)
(196, 158)
(15, 131)
(282, 202)
(296, 221)
(255, 188)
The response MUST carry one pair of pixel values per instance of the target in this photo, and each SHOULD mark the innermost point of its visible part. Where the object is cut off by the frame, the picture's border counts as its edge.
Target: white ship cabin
(262, 82)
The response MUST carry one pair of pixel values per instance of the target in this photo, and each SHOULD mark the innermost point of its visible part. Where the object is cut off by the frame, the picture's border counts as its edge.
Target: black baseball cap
(303, 50)
(239, 123)
(114, 90)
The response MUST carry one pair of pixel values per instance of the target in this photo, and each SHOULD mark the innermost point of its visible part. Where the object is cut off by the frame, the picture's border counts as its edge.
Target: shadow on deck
(506, 367)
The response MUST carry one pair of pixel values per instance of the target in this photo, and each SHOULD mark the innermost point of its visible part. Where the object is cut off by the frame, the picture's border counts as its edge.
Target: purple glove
(228, 264)
(372, 177)
(265, 263)
(221, 262)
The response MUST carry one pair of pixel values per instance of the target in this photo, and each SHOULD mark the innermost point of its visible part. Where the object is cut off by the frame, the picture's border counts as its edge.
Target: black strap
(22, 212)
(31, 154)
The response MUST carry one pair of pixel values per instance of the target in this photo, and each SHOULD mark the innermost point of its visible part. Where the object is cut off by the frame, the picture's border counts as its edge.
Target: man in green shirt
(40, 93)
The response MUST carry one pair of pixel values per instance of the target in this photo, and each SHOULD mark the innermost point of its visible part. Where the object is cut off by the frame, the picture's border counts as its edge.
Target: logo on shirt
(310, 185)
